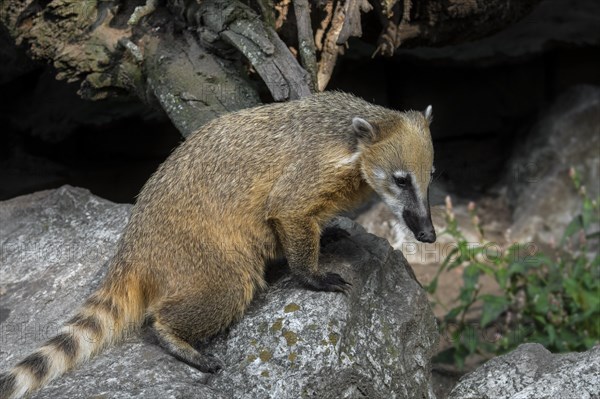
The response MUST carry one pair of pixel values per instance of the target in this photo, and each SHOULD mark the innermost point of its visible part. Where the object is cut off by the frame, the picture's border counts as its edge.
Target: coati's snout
(411, 204)
(421, 226)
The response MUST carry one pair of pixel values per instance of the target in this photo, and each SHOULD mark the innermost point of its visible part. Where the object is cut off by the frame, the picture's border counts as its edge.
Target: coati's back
(247, 187)
(228, 156)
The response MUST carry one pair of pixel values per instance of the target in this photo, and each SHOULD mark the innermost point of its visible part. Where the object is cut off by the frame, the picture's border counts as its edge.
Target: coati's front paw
(331, 282)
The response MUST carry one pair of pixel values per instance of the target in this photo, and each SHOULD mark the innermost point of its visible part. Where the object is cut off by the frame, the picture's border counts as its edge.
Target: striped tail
(105, 318)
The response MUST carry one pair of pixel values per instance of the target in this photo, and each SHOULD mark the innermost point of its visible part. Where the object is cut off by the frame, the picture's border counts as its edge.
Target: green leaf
(471, 277)
(460, 355)
(516, 268)
(502, 277)
(591, 300)
(493, 306)
(587, 213)
(539, 298)
(579, 267)
(572, 228)
(485, 268)
(573, 289)
(432, 286)
(451, 315)
(475, 251)
(470, 339)
(589, 342)
(567, 340)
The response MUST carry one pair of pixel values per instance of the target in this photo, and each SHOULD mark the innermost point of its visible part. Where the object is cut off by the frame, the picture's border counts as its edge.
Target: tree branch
(306, 40)
(238, 25)
(190, 84)
(330, 48)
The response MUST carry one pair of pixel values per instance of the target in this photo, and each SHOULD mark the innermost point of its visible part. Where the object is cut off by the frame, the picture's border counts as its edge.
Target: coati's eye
(401, 181)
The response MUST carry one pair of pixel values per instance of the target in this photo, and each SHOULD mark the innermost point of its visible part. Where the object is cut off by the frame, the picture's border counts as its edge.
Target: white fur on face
(400, 173)
(350, 160)
(394, 204)
(379, 173)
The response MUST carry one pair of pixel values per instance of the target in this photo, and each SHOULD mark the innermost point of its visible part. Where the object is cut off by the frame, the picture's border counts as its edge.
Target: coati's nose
(426, 236)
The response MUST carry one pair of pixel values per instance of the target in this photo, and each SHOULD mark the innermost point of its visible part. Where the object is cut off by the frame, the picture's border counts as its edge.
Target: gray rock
(532, 372)
(376, 342)
(539, 187)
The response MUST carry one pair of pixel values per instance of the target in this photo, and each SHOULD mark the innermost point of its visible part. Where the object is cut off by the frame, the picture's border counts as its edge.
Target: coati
(248, 187)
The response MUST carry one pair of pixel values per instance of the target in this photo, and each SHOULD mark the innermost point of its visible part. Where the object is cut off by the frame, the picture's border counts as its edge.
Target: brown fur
(247, 188)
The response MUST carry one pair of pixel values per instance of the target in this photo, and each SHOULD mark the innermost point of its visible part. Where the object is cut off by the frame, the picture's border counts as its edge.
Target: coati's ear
(428, 114)
(366, 132)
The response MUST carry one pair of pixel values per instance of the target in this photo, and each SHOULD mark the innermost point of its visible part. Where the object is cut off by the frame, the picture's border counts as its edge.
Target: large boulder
(376, 342)
(537, 181)
(531, 372)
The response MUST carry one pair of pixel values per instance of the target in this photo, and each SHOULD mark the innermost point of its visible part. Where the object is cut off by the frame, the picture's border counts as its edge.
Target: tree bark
(160, 60)
(435, 23)
(195, 59)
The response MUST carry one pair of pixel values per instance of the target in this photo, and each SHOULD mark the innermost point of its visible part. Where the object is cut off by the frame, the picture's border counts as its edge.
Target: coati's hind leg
(183, 321)
(184, 351)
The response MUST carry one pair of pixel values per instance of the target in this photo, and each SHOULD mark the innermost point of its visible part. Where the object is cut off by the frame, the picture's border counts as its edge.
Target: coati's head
(397, 162)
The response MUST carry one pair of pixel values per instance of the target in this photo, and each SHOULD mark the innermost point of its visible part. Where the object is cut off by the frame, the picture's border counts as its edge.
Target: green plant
(550, 299)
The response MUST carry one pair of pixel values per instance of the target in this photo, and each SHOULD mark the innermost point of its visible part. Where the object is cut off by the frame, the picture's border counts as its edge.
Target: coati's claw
(331, 282)
(209, 364)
